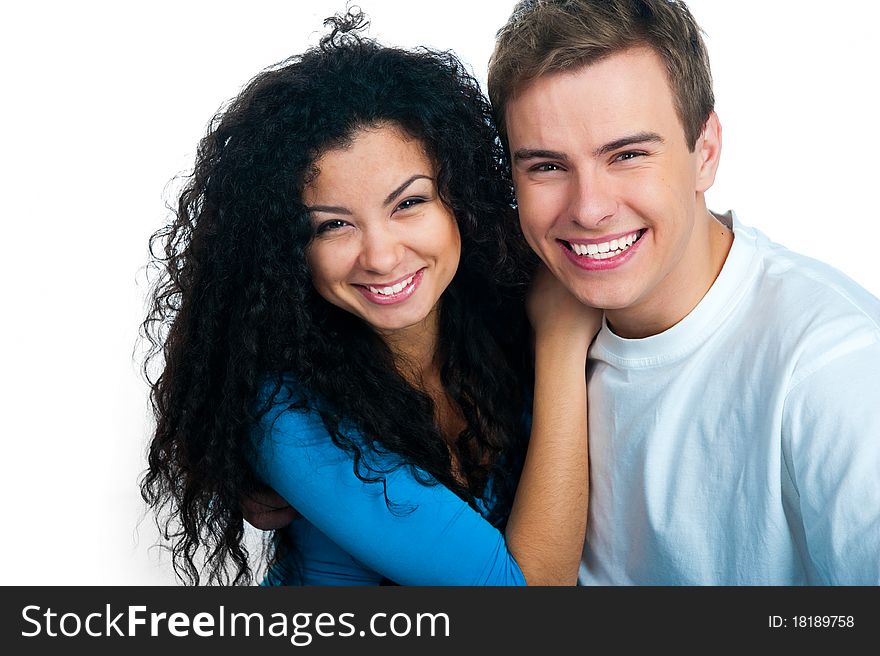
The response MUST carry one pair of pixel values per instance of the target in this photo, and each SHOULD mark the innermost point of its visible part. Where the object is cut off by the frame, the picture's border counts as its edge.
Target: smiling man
(734, 406)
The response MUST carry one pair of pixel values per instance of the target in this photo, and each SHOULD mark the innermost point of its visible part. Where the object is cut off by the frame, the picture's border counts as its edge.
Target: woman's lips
(373, 293)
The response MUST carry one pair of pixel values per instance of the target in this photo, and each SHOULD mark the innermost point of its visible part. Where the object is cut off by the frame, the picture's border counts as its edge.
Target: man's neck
(683, 289)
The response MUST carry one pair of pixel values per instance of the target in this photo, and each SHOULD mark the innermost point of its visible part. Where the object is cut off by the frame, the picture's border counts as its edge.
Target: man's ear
(707, 152)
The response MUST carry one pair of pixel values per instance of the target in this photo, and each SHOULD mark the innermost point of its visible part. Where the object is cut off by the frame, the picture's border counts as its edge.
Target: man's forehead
(626, 93)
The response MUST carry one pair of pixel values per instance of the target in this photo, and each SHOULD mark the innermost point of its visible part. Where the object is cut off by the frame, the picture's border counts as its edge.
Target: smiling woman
(341, 319)
(383, 235)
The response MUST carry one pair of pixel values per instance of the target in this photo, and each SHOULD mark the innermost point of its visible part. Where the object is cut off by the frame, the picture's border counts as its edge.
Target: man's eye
(329, 226)
(630, 154)
(547, 167)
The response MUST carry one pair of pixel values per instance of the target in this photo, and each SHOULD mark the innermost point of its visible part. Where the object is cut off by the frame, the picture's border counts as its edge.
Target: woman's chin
(388, 327)
(388, 320)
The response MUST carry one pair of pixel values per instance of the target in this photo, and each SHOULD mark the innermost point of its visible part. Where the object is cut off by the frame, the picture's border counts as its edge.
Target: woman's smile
(391, 293)
(386, 246)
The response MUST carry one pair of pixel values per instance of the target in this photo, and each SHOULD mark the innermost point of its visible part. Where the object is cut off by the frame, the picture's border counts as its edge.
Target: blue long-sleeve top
(347, 533)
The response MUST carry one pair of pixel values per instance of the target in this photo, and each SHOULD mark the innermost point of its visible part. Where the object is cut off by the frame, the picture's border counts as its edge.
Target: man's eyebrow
(623, 142)
(538, 153)
(394, 194)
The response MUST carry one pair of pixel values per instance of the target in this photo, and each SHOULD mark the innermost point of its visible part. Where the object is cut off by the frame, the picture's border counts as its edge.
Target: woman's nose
(381, 250)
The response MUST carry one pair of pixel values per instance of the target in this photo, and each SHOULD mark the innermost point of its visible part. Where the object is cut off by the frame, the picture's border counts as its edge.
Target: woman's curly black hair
(234, 305)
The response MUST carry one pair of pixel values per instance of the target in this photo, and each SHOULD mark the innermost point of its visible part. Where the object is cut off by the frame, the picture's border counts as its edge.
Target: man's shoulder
(794, 286)
(814, 311)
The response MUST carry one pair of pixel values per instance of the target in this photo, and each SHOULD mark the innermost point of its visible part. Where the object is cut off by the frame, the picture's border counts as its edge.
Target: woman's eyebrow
(335, 209)
(330, 209)
(399, 190)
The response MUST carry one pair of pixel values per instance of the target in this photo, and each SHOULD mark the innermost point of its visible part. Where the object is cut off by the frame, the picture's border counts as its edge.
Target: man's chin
(607, 302)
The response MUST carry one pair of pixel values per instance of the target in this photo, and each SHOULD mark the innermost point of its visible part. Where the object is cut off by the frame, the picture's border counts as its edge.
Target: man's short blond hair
(548, 36)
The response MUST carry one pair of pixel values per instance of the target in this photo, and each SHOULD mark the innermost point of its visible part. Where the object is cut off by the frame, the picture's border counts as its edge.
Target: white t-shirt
(742, 445)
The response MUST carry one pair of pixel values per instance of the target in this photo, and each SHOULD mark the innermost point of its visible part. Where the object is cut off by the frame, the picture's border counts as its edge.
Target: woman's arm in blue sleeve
(429, 536)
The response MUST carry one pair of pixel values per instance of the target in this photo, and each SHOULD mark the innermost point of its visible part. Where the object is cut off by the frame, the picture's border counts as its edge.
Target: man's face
(607, 188)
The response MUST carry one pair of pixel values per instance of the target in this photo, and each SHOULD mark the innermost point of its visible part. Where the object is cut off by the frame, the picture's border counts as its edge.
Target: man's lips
(606, 239)
(607, 252)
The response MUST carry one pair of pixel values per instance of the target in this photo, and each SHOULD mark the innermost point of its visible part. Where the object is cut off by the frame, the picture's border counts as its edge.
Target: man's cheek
(529, 230)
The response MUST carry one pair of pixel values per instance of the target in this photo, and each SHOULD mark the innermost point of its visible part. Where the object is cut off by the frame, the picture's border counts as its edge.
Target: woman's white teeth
(394, 289)
(606, 249)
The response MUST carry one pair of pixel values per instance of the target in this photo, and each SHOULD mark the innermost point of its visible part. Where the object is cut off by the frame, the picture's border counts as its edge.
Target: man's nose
(592, 200)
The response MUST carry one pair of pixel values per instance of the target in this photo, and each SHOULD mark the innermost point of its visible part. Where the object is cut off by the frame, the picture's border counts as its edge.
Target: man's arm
(831, 448)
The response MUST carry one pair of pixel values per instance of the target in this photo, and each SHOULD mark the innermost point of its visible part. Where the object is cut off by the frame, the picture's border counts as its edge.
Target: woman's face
(385, 245)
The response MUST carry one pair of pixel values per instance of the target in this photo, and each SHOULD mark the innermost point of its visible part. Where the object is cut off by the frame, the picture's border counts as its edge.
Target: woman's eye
(329, 226)
(410, 202)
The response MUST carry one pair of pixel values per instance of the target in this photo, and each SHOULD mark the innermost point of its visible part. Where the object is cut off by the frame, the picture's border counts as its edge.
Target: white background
(103, 103)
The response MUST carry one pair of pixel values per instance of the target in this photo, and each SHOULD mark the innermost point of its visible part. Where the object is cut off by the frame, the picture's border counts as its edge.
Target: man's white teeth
(606, 249)
(394, 289)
